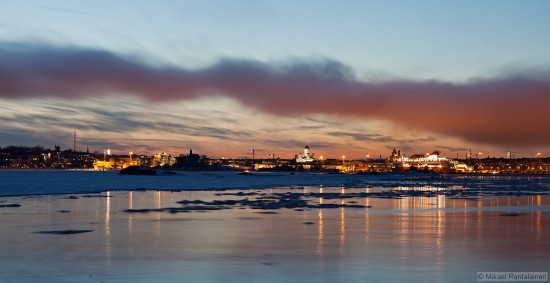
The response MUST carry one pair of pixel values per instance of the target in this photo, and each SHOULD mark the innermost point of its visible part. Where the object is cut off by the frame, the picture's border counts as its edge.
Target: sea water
(403, 239)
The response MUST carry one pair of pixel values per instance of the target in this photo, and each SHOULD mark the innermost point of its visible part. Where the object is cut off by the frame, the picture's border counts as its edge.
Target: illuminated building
(430, 162)
(306, 157)
(161, 159)
(395, 155)
(102, 165)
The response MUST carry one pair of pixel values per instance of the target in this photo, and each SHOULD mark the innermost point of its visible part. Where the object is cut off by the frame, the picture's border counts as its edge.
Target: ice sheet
(29, 182)
(428, 239)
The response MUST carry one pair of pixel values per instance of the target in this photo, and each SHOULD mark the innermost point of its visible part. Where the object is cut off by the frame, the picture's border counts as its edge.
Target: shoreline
(403, 172)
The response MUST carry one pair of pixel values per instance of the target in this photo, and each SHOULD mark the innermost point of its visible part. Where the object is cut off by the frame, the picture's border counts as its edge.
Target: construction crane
(253, 150)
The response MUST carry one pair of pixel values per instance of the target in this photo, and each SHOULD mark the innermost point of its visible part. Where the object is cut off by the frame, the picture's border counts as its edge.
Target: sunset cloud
(510, 109)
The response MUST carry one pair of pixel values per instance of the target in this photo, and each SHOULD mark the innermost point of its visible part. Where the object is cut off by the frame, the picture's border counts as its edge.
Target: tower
(74, 141)
(393, 156)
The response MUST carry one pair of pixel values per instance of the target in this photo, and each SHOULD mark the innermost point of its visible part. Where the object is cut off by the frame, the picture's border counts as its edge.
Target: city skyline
(225, 78)
(261, 154)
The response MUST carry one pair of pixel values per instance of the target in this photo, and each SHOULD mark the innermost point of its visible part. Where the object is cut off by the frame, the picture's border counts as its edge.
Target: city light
(396, 162)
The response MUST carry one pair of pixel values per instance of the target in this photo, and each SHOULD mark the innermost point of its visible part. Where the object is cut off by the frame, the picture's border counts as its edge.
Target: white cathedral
(306, 156)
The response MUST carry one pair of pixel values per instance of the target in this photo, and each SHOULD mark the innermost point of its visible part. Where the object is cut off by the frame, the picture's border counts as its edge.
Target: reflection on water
(157, 197)
(367, 219)
(130, 206)
(342, 230)
(424, 238)
(426, 188)
(421, 202)
(320, 233)
(108, 213)
(108, 250)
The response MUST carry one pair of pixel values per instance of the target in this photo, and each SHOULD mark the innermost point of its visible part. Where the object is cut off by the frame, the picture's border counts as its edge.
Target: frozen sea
(33, 182)
(78, 226)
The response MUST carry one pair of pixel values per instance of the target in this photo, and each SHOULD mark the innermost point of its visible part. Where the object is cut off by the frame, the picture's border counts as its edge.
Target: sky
(223, 77)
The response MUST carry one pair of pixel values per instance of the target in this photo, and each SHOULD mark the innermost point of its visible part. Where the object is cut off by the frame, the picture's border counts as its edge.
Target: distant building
(162, 159)
(395, 155)
(190, 161)
(432, 162)
(306, 157)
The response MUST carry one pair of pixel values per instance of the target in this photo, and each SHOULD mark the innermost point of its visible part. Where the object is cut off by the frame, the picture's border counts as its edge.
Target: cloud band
(507, 110)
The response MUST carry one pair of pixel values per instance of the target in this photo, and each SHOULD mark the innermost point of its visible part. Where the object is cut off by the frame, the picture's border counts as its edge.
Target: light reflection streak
(342, 230)
(538, 221)
(108, 213)
(157, 215)
(440, 230)
(367, 218)
(320, 234)
(108, 227)
(130, 206)
(465, 216)
(404, 221)
(479, 223)
(420, 188)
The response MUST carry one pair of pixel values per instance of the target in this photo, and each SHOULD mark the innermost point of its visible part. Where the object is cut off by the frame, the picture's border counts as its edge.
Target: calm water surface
(429, 239)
